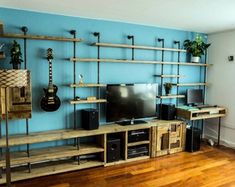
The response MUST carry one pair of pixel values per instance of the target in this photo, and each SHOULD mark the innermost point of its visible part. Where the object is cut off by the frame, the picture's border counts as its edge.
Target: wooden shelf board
(88, 101)
(39, 137)
(135, 61)
(170, 96)
(138, 158)
(169, 76)
(191, 84)
(138, 143)
(50, 170)
(37, 37)
(87, 85)
(49, 154)
(137, 47)
(208, 116)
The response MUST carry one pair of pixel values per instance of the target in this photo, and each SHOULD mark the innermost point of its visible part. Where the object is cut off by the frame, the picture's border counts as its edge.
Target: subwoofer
(90, 119)
(168, 112)
(196, 140)
(113, 150)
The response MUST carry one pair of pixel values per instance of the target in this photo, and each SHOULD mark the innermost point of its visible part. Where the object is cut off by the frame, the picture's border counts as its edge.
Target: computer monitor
(194, 96)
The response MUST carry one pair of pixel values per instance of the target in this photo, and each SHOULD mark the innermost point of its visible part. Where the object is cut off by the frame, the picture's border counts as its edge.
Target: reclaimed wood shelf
(38, 37)
(191, 84)
(51, 169)
(86, 85)
(47, 136)
(171, 96)
(137, 47)
(135, 61)
(205, 113)
(169, 76)
(138, 143)
(73, 102)
(51, 153)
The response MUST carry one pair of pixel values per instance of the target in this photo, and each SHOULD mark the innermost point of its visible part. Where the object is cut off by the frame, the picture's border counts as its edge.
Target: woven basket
(14, 78)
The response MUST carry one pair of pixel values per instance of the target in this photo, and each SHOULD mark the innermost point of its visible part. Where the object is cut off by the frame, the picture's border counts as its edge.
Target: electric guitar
(50, 101)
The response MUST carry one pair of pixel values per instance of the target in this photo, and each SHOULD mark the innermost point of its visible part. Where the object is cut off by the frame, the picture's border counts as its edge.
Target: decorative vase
(195, 59)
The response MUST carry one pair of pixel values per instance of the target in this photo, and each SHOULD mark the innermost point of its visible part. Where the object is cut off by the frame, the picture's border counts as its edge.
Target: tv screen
(128, 101)
(194, 96)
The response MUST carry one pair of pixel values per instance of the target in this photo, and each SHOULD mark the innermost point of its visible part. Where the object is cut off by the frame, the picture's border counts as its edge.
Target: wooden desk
(201, 114)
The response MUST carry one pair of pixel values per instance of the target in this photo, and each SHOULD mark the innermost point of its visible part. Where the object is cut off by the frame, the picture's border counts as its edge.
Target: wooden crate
(19, 103)
(168, 139)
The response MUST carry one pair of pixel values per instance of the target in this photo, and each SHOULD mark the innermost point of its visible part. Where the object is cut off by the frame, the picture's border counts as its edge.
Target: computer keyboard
(206, 106)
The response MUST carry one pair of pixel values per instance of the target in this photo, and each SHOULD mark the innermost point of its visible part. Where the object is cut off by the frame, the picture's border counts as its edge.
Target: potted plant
(16, 55)
(168, 87)
(196, 48)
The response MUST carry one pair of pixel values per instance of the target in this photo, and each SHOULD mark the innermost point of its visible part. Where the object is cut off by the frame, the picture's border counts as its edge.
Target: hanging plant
(16, 55)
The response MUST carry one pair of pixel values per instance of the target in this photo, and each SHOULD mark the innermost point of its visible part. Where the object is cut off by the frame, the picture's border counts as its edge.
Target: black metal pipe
(218, 143)
(162, 70)
(24, 29)
(76, 140)
(205, 78)
(192, 138)
(97, 34)
(132, 38)
(178, 69)
(73, 32)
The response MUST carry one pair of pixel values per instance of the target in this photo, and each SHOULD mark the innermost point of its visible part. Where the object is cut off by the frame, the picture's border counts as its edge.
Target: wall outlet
(230, 58)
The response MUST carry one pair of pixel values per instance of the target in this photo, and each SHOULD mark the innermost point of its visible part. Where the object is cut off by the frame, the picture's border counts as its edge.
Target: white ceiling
(206, 16)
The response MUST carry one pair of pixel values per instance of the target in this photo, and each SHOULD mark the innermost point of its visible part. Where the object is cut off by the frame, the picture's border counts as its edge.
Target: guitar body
(50, 101)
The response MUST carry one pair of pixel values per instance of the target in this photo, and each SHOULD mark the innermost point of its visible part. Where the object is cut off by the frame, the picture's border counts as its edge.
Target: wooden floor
(208, 167)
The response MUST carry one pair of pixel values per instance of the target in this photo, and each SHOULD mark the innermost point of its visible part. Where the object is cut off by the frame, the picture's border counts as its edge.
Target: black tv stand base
(131, 122)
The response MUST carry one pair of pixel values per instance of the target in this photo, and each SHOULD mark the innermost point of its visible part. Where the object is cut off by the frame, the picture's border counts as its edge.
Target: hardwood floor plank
(210, 167)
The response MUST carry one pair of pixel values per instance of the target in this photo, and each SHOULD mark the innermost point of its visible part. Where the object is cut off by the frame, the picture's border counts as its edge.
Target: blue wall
(114, 32)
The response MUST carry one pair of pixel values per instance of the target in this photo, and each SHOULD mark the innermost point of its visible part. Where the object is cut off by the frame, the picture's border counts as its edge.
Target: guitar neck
(50, 73)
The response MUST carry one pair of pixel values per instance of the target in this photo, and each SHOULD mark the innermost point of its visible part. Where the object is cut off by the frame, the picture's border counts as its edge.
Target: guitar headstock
(49, 54)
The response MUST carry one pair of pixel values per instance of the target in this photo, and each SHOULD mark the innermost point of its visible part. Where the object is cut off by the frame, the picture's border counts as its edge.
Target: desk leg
(202, 129)
(192, 136)
(218, 143)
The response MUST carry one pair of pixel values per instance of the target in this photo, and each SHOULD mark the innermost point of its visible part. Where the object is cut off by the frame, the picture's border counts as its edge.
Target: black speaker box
(113, 150)
(167, 112)
(90, 119)
(196, 139)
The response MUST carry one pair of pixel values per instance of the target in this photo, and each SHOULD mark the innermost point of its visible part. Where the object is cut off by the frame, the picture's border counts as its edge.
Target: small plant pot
(168, 92)
(16, 66)
(195, 59)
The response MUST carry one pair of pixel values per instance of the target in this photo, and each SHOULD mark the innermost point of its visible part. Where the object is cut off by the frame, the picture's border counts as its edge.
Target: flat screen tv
(130, 101)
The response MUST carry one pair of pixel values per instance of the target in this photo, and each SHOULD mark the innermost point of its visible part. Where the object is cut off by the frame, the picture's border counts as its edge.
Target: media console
(136, 142)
